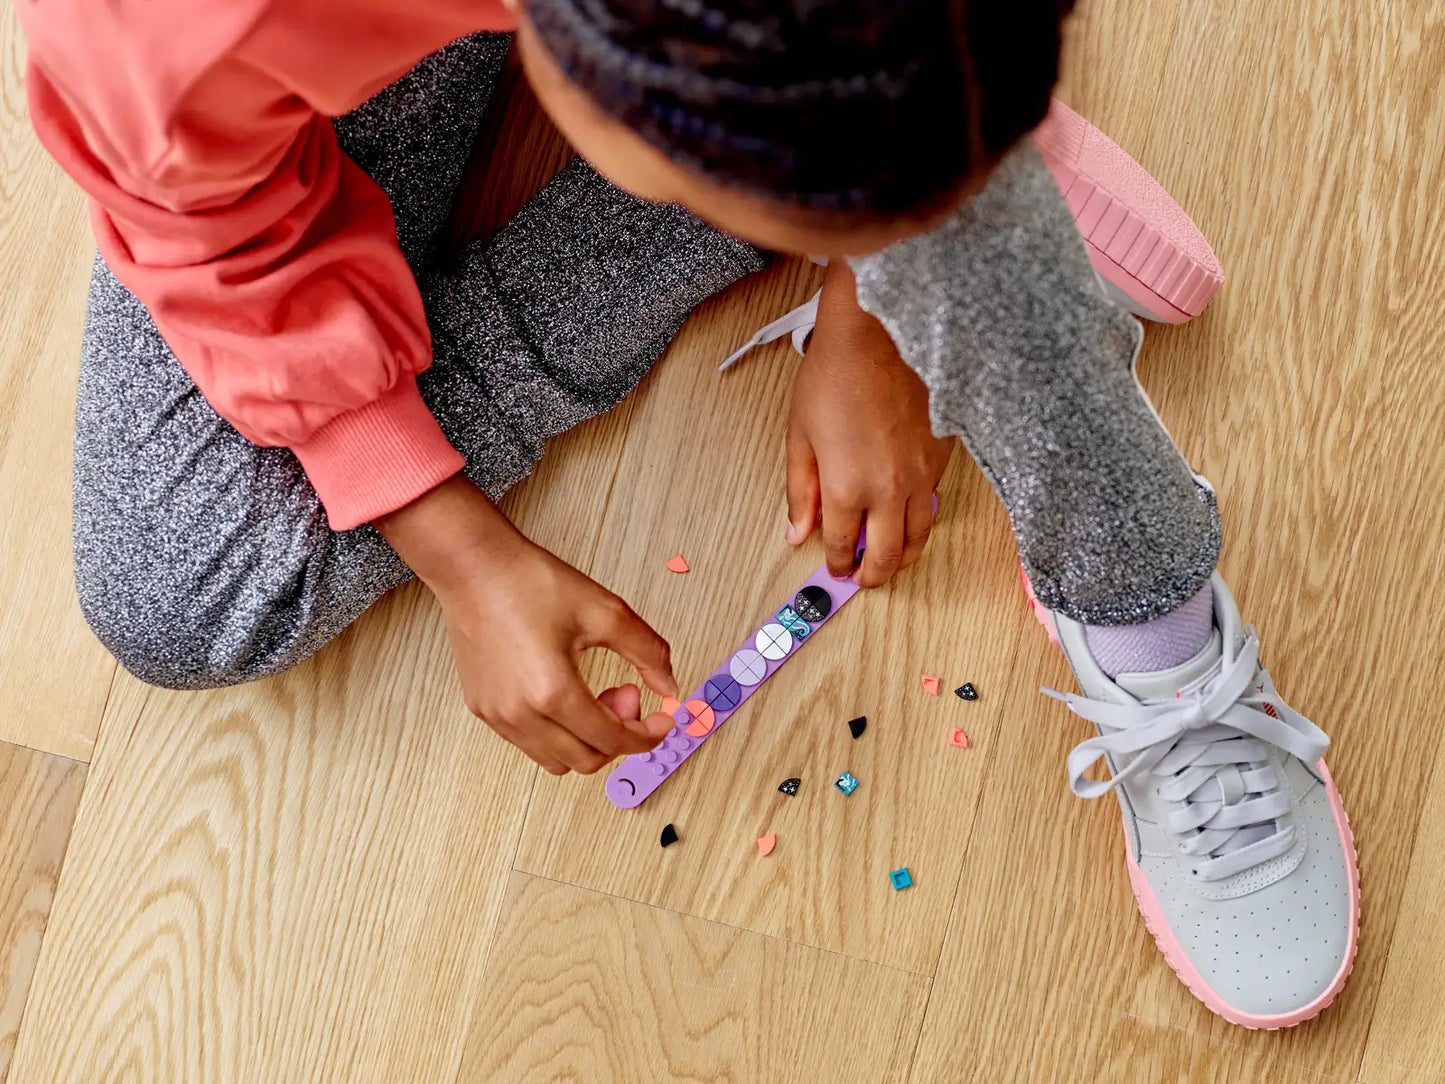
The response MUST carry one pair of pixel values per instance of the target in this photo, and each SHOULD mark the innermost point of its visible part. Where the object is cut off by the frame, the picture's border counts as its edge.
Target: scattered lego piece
(790, 786)
(966, 691)
(846, 783)
(930, 684)
(901, 878)
(857, 726)
(677, 564)
(669, 836)
(766, 844)
(958, 738)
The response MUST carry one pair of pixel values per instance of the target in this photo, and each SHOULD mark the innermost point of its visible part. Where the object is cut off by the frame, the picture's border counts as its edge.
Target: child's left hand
(860, 450)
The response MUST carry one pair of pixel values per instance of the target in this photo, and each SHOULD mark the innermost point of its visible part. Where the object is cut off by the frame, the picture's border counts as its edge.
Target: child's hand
(519, 620)
(859, 442)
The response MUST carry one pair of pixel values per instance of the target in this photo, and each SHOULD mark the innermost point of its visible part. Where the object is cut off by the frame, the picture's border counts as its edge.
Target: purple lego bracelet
(709, 705)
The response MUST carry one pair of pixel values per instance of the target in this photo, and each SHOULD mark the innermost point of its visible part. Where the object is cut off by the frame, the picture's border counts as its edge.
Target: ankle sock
(1155, 645)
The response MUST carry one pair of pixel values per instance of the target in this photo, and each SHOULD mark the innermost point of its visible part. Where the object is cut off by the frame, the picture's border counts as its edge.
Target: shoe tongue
(1186, 677)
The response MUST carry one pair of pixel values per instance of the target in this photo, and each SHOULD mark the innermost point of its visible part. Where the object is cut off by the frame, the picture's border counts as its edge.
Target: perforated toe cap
(1276, 948)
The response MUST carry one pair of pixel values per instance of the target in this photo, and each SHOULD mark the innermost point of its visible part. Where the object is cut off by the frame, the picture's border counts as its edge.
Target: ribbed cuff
(377, 458)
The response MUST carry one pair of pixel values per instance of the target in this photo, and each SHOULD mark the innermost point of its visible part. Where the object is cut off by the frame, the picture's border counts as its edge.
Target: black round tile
(812, 603)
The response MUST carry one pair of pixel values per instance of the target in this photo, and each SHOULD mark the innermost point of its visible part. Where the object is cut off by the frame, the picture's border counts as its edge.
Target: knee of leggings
(155, 642)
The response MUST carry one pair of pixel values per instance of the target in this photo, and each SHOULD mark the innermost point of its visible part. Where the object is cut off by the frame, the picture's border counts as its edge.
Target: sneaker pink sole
(1158, 926)
(1139, 240)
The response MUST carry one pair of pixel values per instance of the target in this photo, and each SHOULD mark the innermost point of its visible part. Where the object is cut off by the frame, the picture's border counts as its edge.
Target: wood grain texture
(1407, 1035)
(38, 796)
(291, 880)
(588, 987)
(298, 879)
(53, 674)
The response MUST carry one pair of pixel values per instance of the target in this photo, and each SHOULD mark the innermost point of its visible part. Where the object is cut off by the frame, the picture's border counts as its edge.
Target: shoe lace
(1208, 751)
(798, 323)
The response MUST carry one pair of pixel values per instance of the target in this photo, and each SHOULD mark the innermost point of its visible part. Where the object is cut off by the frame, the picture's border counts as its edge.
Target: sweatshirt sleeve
(267, 258)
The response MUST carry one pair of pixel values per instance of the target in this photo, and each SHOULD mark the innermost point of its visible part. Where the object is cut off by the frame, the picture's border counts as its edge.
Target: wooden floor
(339, 875)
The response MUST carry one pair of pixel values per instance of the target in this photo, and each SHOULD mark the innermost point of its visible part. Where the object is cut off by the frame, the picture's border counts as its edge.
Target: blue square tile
(789, 619)
(846, 783)
(900, 878)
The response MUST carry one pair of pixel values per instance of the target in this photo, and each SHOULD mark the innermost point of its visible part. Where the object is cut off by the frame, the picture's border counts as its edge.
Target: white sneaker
(1238, 848)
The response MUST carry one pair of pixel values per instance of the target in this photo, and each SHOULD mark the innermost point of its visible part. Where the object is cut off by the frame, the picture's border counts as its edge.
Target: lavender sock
(1155, 645)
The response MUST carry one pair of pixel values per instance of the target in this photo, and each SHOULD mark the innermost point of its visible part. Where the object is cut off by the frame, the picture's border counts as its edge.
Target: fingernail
(794, 534)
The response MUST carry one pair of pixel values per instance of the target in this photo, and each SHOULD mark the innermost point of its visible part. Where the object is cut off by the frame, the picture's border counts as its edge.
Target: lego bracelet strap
(709, 705)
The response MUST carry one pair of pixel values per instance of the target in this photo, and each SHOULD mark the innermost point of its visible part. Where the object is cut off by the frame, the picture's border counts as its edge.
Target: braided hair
(878, 107)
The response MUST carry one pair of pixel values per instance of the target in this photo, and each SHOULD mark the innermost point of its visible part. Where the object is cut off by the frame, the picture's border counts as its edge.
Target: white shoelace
(799, 323)
(1208, 752)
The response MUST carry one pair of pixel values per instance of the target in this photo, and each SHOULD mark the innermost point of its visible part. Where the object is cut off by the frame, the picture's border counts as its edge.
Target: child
(288, 404)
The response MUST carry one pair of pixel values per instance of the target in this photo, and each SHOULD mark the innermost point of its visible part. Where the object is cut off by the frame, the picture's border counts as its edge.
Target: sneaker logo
(1269, 710)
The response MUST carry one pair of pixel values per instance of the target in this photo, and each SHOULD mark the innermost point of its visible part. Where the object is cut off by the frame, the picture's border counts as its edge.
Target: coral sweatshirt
(219, 197)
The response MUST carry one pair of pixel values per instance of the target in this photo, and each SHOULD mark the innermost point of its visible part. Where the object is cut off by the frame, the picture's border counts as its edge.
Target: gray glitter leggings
(202, 560)
(1026, 361)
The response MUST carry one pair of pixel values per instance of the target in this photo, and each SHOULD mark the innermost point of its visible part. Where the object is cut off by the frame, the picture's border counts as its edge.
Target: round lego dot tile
(813, 603)
(703, 719)
(773, 642)
(723, 692)
(748, 667)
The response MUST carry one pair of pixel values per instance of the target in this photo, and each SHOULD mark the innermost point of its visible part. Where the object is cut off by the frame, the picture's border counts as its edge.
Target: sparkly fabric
(413, 138)
(204, 560)
(1161, 644)
(999, 312)
(562, 314)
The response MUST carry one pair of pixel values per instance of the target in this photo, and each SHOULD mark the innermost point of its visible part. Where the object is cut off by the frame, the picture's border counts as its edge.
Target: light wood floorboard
(583, 986)
(292, 880)
(54, 676)
(38, 795)
(337, 875)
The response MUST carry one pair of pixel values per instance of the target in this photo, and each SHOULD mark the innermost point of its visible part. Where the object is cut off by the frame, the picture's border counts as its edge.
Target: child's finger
(593, 723)
(616, 626)
(657, 725)
(548, 744)
(841, 524)
(623, 700)
(626, 702)
(564, 745)
(885, 546)
(918, 524)
(802, 488)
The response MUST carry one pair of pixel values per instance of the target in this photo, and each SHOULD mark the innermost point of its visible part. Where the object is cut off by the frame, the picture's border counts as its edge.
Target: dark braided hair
(873, 107)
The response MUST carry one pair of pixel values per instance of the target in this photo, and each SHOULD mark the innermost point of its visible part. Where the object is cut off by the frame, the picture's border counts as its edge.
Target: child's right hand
(519, 620)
